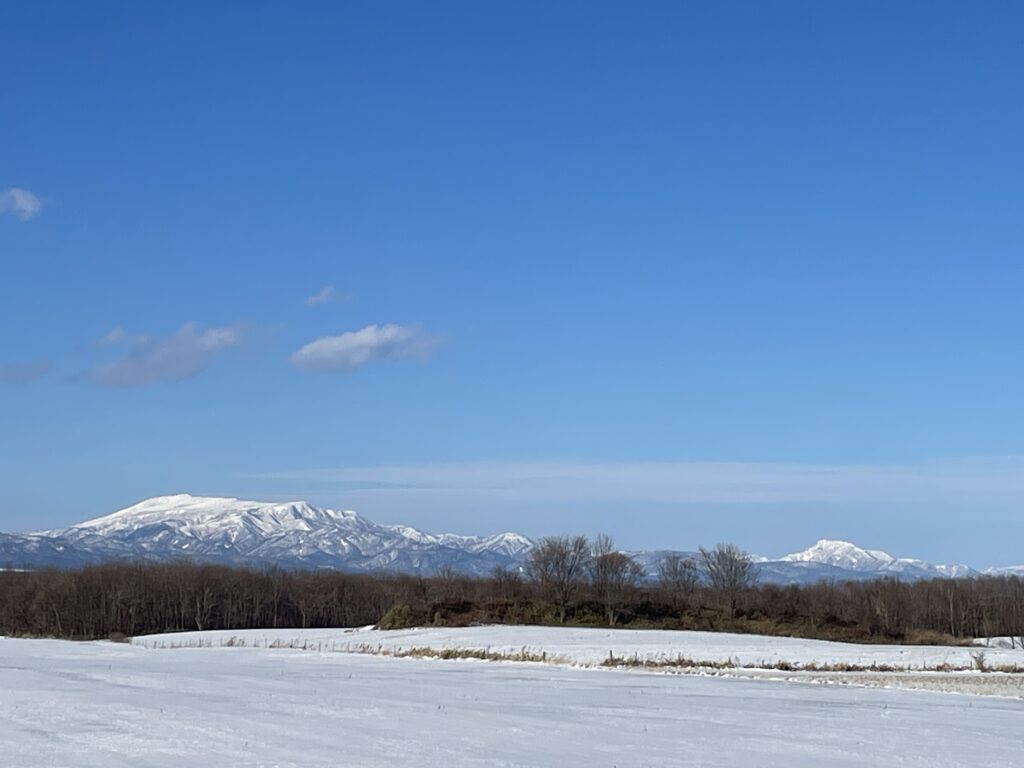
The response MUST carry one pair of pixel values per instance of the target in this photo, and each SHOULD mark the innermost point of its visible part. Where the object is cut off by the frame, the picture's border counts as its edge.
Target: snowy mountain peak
(842, 554)
(292, 534)
(212, 514)
(296, 534)
(850, 557)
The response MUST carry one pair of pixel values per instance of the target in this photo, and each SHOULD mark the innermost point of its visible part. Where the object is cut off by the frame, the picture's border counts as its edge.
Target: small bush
(401, 616)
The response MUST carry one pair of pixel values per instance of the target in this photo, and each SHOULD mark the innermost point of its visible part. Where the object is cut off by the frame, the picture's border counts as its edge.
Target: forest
(570, 580)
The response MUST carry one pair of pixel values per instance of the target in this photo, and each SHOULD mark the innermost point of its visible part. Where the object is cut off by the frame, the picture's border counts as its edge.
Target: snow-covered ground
(86, 705)
(1001, 642)
(590, 647)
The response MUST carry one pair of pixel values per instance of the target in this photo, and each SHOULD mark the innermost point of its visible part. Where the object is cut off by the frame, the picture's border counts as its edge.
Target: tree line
(568, 579)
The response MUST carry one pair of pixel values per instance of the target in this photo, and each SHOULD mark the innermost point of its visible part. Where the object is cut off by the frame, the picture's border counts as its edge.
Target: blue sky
(679, 272)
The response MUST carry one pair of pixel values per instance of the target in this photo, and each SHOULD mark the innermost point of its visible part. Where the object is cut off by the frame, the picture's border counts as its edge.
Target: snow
(205, 516)
(843, 554)
(582, 646)
(1001, 642)
(87, 705)
(296, 534)
(1009, 570)
(290, 534)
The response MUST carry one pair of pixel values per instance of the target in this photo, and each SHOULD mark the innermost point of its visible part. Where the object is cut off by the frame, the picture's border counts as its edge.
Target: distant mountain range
(235, 532)
(299, 535)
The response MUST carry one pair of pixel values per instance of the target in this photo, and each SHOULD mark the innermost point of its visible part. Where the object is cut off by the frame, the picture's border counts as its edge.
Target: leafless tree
(508, 583)
(729, 571)
(677, 577)
(448, 583)
(557, 566)
(613, 574)
(140, 598)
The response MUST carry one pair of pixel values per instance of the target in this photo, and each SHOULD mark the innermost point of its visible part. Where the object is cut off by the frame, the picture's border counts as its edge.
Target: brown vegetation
(566, 581)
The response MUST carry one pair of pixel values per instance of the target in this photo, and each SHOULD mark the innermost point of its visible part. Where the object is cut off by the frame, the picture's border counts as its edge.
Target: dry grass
(536, 656)
(682, 662)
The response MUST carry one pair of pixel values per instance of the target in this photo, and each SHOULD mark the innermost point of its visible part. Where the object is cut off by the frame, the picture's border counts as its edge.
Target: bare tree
(557, 565)
(677, 577)
(447, 582)
(508, 583)
(613, 575)
(729, 571)
(136, 598)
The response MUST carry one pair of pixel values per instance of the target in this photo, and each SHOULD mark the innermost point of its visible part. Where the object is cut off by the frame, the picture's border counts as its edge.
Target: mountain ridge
(849, 556)
(296, 534)
(291, 534)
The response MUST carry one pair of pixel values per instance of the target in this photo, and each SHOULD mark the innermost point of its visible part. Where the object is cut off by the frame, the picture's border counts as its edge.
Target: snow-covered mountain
(36, 551)
(299, 535)
(841, 554)
(293, 535)
(829, 560)
(874, 562)
(1009, 570)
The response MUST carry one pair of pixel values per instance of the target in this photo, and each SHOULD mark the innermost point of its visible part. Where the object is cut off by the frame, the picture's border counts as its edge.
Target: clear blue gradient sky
(681, 272)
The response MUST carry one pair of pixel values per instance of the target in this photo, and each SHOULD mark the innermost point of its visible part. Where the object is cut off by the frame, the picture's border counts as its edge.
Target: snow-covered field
(931, 668)
(86, 705)
(590, 647)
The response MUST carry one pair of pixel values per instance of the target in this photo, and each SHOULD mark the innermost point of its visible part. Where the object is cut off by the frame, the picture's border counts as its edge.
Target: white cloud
(119, 336)
(325, 295)
(187, 353)
(20, 202)
(22, 373)
(354, 349)
(113, 336)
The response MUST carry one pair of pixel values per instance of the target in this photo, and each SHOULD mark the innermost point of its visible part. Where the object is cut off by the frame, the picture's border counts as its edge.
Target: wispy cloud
(20, 202)
(690, 482)
(352, 350)
(149, 360)
(118, 335)
(769, 508)
(22, 373)
(323, 296)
